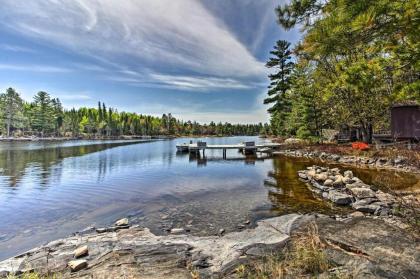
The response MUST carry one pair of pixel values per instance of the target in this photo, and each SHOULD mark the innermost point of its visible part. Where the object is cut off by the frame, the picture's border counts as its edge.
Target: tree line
(355, 60)
(46, 117)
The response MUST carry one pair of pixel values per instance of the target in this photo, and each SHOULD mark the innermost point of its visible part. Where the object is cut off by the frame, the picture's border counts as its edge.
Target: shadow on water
(15, 162)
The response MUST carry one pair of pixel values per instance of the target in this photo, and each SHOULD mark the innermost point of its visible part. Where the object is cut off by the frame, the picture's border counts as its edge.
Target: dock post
(224, 153)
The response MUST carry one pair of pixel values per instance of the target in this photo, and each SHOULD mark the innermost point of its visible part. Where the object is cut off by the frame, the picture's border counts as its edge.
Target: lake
(50, 190)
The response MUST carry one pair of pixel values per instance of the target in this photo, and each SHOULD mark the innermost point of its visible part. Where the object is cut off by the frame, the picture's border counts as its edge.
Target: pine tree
(279, 86)
(11, 109)
(43, 113)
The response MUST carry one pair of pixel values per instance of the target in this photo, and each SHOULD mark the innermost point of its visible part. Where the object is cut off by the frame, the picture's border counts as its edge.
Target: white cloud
(74, 97)
(189, 82)
(34, 68)
(181, 34)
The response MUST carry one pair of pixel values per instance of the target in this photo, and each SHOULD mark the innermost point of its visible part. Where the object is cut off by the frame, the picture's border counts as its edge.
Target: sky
(200, 60)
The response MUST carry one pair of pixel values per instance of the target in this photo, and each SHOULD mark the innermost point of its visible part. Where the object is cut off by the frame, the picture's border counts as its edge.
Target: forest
(45, 117)
(356, 59)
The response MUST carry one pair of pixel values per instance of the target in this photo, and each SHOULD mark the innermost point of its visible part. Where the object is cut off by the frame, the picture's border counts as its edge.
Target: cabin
(349, 133)
(405, 122)
(405, 126)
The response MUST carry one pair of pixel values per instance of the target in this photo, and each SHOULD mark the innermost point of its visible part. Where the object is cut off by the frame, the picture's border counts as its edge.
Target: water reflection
(15, 163)
(202, 160)
(288, 194)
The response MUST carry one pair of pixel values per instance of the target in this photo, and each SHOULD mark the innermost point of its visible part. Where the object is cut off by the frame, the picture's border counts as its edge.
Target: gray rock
(366, 208)
(338, 183)
(77, 265)
(335, 157)
(101, 230)
(339, 198)
(81, 251)
(365, 201)
(362, 193)
(177, 231)
(371, 248)
(399, 160)
(321, 177)
(347, 180)
(348, 174)
(357, 214)
(328, 182)
(122, 222)
(335, 171)
(303, 175)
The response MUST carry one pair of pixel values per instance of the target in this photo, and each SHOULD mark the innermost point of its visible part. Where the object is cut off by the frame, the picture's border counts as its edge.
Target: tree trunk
(8, 128)
(367, 132)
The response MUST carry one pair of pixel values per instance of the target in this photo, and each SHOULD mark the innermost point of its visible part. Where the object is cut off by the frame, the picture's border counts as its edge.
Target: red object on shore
(360, 145)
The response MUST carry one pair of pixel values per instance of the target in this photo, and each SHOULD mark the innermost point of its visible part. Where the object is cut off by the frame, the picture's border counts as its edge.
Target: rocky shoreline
(397, 164)
(359, 247)
(346, 189)
(370, 242)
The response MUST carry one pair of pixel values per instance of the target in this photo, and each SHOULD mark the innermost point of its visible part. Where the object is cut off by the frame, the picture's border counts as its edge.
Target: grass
(304, 257)
(33, 275)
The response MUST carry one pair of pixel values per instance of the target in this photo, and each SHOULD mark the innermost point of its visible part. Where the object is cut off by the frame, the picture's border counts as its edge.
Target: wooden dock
(245, 147)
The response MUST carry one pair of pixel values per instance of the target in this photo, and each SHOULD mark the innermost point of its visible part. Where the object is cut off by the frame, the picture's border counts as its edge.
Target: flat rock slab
(138, 252)
(371, 248)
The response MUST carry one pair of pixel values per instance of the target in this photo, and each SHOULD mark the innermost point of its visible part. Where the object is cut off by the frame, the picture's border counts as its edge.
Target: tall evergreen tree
(43, 113)
(282, 65)
(11, 109)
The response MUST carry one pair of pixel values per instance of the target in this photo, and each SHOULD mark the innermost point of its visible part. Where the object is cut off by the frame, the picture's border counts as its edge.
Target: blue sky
(198, 59)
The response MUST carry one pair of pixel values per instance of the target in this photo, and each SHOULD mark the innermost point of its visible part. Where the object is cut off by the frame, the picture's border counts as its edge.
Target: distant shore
(18, 139)
(125, 137)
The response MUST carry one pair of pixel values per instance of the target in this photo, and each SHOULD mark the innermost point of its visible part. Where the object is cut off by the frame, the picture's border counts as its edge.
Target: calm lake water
(49, 190)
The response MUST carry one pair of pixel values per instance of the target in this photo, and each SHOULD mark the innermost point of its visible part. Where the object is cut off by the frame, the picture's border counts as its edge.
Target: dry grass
(33, 275)
(305, 257)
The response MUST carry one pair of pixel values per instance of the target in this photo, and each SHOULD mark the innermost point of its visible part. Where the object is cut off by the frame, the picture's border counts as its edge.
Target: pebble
(81, 251)
(356, 214)
(221, 231)
(122, 222)
(77, 265)
(101, 230)
(177, 230)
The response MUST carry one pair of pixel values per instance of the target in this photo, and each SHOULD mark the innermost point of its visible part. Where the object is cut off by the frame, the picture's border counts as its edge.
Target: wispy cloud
(203, 83)
(182, 33)
(74, 97)
(16, 48)
(34, 68)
